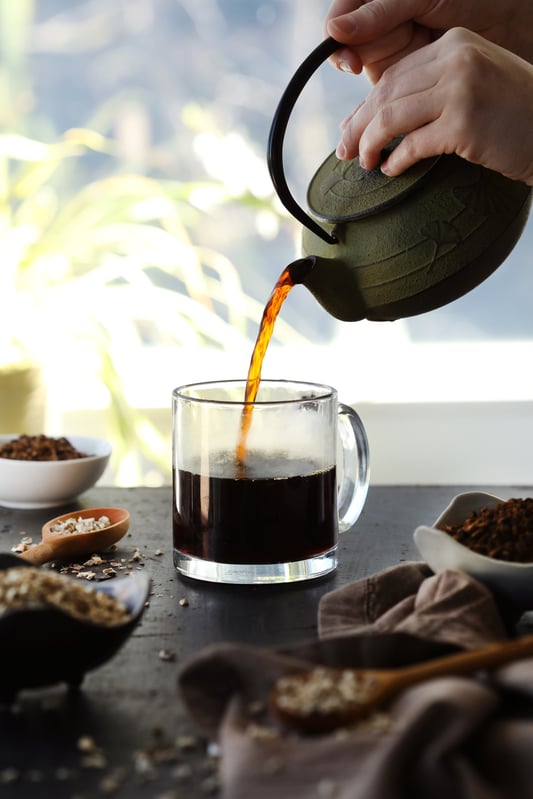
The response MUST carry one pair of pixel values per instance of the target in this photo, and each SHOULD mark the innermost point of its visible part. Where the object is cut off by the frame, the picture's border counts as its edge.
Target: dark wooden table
(124, 733)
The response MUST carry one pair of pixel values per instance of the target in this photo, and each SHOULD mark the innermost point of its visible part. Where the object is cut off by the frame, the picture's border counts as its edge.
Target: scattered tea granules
(40, 448)
(27, 587)
(504, 532)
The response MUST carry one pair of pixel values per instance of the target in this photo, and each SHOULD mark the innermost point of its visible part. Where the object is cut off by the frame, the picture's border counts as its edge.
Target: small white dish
(47, 484)
(513, 581)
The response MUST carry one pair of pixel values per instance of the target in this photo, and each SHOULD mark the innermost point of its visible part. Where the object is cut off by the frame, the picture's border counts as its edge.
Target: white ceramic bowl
(47, 484)
(440, 551)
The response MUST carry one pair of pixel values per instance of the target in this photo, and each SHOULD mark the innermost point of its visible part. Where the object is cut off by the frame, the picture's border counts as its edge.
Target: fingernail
(344, 66)
(340, 152)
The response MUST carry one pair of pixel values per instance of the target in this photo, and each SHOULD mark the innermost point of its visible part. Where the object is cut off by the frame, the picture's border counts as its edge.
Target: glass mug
(274, 515)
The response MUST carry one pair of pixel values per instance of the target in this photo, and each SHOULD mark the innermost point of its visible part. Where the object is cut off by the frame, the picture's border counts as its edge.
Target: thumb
(374, 19)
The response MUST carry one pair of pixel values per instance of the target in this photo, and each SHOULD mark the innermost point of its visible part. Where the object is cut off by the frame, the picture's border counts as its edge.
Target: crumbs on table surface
(107, 566)
(186, 759)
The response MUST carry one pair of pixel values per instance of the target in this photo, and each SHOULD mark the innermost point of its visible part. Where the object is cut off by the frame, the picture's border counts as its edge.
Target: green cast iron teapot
(386, 248)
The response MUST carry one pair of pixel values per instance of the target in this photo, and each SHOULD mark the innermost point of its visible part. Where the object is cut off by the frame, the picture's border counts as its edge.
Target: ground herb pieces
(323, 691)
(40, 448)
(27, 587)
(504, 532)
(80, 524)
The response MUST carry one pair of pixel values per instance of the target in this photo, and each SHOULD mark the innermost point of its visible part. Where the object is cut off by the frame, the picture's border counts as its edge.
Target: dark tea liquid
(256, 519)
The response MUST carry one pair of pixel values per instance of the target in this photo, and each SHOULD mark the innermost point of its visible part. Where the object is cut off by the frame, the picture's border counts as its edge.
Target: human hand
(460, 94)
(381, 32)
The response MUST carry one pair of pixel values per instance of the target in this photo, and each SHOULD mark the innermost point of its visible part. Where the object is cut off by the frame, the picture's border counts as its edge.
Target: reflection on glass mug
(261, 491)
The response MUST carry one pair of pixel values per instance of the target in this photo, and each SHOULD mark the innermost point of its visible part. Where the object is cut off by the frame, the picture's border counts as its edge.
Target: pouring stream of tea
(292, 275)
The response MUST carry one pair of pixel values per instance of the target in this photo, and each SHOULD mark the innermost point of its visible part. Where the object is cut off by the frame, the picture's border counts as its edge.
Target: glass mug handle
(355, 472)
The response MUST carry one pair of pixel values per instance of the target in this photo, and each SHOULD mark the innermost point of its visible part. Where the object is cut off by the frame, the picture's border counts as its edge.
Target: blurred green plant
(104, 266)
(101, 269)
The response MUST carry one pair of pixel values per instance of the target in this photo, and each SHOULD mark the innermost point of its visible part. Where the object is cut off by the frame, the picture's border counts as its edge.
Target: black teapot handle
(277, 133)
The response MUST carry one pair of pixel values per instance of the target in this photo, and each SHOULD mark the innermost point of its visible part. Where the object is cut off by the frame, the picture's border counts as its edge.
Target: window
(163, 241)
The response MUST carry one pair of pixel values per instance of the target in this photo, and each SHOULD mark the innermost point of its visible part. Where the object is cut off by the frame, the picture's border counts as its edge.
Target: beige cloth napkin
(459, 737)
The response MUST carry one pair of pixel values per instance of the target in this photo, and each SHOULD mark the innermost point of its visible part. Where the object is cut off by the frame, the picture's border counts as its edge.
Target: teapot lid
(342, 190)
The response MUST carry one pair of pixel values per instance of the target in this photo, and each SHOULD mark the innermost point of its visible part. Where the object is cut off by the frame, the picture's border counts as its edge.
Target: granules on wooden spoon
(504, 532)
(322, 699)
(80, 524)
(323, 691)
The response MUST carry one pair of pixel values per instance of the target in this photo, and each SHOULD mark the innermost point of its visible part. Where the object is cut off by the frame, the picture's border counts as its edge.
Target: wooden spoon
(66, 546)
(324, 699)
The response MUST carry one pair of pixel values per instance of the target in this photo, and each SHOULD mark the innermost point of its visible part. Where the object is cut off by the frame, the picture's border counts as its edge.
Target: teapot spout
(333, 283)
(300, 269)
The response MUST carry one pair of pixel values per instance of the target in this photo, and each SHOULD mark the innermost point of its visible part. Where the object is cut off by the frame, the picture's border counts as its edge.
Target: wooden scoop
(67, 545)
(324, 699)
